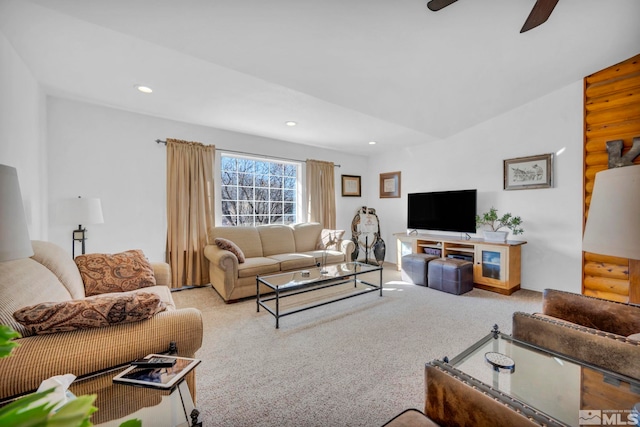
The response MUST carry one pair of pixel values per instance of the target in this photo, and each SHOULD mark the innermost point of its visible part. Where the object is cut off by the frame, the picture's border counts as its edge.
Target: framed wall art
(351, 186)
(390, 185)
(524, 173)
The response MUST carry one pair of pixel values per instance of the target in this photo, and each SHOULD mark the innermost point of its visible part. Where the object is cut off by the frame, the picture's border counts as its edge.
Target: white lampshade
(14, 234)
(613, 223)
(81, 211)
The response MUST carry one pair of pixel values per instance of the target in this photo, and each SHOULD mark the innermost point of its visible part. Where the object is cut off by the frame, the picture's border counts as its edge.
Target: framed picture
(524, 173)
(390, 185)
(351, 186)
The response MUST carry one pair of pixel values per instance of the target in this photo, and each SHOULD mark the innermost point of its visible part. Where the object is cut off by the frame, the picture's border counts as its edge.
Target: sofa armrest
(162, 273)
(223, 267)
(610, 351)
(347, 247)
(609, 316)
(86, 351)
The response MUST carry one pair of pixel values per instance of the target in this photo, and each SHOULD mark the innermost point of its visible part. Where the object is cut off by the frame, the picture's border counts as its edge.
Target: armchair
(597, 331)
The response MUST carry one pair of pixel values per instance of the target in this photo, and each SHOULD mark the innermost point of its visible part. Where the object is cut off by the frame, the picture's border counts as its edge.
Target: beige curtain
(321, 193)
(190, 194)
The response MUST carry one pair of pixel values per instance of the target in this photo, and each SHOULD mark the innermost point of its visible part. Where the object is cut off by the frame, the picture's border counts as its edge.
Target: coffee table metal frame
(313, 279)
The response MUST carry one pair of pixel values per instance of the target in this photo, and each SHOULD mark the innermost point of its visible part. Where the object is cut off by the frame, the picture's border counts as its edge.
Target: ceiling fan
(539, 14)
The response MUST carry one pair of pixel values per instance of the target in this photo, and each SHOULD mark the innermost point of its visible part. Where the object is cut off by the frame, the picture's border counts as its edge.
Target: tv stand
(496, 266)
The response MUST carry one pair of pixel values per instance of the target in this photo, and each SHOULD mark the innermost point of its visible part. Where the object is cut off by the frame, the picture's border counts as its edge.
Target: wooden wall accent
(611, 111)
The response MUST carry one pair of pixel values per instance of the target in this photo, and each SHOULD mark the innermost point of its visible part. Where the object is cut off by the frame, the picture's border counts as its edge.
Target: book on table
(154, 377)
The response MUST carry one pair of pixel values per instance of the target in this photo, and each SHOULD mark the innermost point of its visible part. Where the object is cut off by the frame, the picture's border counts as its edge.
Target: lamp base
(79, 235)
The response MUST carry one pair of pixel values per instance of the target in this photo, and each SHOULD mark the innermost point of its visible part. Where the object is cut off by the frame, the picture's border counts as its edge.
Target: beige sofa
(51, 275)
(269, 249)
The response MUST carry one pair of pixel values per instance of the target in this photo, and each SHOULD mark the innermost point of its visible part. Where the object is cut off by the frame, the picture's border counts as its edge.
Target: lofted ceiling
(347, 71)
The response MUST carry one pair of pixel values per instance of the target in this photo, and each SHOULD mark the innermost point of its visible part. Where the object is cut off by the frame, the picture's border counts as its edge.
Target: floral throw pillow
(330, 239)
(92, 312)
(228, 245)
(105, 273)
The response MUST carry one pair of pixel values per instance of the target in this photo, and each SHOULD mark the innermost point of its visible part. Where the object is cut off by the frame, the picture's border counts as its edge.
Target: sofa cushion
(246, 238)
(26, 282)
(332, 257)
(163, 292)
(105, 273)
(330, 239)
(228, 245)
(258, 265)
(61, 264)
(294, 261)
(92, 312)
(276, 239)
(306, 235)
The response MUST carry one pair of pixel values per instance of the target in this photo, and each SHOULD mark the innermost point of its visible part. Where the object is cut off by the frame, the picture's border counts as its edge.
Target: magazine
(163, 378)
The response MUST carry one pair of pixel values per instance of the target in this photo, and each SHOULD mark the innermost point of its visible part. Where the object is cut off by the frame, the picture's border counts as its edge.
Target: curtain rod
(160, 141)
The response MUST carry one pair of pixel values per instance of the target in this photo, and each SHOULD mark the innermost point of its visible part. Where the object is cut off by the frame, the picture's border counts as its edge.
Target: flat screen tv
(443, 211)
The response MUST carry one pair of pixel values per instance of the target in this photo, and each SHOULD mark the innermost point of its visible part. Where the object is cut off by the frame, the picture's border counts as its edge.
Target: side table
(117, 403)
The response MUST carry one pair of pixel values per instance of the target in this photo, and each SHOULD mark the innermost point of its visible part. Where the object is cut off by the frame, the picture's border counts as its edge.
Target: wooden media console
(496, 266)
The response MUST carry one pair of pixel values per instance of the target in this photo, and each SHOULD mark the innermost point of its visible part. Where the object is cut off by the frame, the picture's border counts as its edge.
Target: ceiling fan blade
(436, 5)
(539, 14)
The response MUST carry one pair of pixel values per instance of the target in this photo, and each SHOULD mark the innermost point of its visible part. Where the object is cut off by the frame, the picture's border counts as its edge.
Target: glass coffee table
(315, 279)
(565, 389)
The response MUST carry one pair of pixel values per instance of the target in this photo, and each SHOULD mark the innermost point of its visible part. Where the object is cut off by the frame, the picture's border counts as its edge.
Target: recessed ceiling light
(290, 123)
(143, 89)
(372, 143)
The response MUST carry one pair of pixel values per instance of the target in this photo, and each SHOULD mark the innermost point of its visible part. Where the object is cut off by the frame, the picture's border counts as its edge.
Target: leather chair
(594, 330)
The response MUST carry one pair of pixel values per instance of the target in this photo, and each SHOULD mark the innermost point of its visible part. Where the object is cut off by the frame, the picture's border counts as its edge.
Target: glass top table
(315, 279)
(118, 403)
(565, 389)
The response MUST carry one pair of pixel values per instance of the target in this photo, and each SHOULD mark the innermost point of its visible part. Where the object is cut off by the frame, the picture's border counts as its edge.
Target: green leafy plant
(32, 411)
(7, 335)
(495, 222)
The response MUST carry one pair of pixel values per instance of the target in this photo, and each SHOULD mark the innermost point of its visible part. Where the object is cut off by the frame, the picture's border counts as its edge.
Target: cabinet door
(491, 264)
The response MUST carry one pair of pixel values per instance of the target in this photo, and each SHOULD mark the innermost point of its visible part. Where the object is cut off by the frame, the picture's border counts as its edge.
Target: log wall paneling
(611, 112)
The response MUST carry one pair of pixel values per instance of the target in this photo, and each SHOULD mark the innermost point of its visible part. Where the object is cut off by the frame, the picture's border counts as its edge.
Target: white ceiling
(348, 71)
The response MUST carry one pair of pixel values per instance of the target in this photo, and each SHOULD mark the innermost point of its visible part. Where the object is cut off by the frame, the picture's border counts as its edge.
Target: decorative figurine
(365, 231)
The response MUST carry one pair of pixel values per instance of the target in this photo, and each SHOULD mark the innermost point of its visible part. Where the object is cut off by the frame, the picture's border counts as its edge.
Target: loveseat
(51, 275)
(268, 249)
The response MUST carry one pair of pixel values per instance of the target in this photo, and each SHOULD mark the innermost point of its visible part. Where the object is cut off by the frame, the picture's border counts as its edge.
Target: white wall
(111, 154)
(22, 134)
(473, 159)
(101, 152)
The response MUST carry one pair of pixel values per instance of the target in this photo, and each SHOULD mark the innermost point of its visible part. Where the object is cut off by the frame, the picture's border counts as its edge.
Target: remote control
(155, 362)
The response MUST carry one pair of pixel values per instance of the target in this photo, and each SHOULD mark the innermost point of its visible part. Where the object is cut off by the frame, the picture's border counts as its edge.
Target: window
(258, 191)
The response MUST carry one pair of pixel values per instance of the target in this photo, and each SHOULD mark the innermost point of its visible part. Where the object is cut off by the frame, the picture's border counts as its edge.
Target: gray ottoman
(451, 275)
(414, 268)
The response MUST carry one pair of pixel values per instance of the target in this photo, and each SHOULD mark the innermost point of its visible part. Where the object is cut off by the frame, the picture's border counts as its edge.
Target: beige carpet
(357, 362)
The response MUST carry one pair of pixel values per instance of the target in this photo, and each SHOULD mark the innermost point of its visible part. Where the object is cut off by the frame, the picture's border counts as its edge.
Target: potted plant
(495, 223)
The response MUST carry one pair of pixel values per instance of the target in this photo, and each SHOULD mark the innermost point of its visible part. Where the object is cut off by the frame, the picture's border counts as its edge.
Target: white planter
(496, 236)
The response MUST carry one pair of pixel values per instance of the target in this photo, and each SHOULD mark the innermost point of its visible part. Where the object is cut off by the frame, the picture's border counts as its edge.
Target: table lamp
(613, 221)
(81, 211)
(14, 234)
